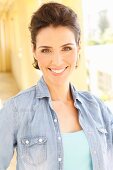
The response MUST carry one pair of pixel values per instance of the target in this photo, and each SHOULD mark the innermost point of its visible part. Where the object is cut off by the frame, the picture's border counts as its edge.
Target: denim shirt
(29, 123)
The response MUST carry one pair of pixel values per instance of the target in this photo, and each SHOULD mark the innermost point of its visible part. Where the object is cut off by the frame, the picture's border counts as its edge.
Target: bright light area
(98, 35)
(91, 9)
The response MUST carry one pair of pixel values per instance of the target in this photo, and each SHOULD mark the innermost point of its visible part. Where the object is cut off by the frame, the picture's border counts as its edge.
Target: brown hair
(54, 14)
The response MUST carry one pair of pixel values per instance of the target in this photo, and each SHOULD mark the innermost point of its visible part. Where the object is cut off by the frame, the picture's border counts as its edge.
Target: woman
(52, 125)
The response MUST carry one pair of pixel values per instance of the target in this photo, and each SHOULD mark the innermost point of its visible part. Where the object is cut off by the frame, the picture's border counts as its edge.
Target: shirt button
(59, 159)
(59, 138)
(27, 142)
(55, 120)
(40, 140)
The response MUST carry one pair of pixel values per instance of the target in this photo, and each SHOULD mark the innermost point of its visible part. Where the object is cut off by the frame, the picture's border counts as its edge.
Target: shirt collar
(43, 91)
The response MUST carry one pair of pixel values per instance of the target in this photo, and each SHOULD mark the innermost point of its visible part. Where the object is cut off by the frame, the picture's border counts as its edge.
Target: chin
(59, 81)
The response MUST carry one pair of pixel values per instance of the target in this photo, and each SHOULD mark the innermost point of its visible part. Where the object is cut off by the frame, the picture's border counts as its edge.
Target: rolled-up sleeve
(8, 131)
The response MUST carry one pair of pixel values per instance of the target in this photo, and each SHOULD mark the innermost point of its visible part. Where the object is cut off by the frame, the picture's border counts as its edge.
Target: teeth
(58, 71)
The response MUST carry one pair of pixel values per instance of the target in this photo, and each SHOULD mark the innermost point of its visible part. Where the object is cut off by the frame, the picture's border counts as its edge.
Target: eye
(67, 49)
(46, 50)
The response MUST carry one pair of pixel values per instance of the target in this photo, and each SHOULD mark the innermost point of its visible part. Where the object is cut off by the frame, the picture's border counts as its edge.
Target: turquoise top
(76, 151)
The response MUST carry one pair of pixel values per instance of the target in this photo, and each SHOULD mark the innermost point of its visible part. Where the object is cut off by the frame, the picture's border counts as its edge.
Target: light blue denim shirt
(29, 124)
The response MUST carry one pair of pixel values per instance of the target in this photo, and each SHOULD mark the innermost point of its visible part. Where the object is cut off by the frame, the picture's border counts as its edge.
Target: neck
(61, 93)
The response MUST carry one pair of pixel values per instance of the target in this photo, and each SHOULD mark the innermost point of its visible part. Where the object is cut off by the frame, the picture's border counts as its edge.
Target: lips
(57, 71)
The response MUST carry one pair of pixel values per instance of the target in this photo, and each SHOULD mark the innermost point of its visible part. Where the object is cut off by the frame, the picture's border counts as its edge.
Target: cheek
(42, 61)
(72, 59)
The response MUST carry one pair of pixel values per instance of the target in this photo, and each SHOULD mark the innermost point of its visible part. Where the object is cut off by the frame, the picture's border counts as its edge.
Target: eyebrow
(68, 44)
(61, 46)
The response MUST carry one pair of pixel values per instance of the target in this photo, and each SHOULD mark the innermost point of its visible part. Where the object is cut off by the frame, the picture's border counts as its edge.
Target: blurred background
(95, 71)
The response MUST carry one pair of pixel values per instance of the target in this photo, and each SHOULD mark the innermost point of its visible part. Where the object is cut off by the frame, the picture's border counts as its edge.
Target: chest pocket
(34, 150)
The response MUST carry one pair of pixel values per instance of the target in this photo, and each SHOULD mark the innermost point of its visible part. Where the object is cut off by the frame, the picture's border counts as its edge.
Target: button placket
(59, 144)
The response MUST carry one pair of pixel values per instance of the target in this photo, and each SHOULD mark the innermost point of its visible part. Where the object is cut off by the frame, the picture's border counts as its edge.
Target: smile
(57, 71)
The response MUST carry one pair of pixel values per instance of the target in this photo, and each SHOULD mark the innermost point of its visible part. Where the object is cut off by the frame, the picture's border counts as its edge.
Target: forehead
(55, 35)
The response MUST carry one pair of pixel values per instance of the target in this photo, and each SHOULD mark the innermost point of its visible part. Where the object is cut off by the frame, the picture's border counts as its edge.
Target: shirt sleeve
(108, 119)
(8, 130)
(111, 123)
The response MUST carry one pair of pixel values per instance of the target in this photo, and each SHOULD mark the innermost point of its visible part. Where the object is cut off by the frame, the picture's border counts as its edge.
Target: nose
(57, 59)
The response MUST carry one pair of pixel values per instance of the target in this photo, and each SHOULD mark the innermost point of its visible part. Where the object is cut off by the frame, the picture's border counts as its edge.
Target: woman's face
(56, 53)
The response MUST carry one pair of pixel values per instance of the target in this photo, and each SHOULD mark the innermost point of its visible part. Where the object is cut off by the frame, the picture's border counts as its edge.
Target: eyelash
(49, 51)
(67, 49)
(45, 50)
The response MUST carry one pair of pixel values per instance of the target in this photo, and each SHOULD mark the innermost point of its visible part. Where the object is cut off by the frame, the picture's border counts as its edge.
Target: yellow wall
(18, 19)
(5, 64)
(20, 43)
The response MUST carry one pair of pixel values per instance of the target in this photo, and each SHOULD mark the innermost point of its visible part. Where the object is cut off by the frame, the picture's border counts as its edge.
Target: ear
(78, 52)
(34, 54)
(78, 57)
(33, 51)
